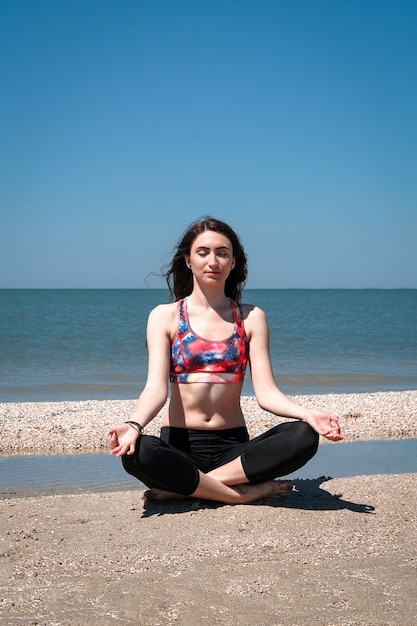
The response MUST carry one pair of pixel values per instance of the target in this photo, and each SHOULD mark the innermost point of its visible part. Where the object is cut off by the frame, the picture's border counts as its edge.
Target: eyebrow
(218, 248)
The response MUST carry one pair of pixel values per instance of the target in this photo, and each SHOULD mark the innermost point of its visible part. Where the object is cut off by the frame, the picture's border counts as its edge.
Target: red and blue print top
(198, 360)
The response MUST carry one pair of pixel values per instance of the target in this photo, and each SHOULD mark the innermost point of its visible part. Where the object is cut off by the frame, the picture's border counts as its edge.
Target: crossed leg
(278, 452)
(229, 484)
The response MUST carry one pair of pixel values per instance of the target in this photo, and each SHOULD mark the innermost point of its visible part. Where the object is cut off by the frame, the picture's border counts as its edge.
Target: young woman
(202, 344)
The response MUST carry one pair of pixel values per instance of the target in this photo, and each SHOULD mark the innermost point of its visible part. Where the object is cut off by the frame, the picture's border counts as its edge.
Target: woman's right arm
(154, 395)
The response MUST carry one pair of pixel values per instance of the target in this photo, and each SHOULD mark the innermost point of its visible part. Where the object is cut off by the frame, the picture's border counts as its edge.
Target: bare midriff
(205, 406)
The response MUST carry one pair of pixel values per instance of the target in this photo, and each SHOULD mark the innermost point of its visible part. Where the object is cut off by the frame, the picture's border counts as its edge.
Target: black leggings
(171, 462)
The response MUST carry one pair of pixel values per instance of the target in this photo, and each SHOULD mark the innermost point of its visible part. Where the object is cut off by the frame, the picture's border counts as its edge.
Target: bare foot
(243, 494)
(160, 494)
(268, 489)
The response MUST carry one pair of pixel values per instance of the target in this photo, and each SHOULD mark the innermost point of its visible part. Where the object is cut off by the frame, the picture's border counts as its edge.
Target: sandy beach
(335, 551)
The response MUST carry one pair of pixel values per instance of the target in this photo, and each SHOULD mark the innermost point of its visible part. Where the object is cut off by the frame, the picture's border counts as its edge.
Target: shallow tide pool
(35, 475)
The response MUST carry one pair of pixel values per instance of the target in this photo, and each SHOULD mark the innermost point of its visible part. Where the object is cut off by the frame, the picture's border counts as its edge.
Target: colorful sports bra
(198, 360)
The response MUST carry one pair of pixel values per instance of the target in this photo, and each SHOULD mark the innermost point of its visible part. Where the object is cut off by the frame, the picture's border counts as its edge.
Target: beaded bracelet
(138, 427)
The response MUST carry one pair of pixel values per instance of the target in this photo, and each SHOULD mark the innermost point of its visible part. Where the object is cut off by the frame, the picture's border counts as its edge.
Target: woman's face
(211, 257)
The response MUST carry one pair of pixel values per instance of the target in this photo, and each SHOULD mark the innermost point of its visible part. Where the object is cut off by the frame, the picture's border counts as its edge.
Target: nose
(212, 259)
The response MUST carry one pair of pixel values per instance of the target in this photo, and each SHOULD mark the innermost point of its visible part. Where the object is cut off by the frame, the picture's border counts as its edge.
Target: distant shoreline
(82, 426)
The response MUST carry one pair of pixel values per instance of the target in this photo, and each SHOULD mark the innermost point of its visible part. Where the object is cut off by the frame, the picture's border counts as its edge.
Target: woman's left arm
(268, 396)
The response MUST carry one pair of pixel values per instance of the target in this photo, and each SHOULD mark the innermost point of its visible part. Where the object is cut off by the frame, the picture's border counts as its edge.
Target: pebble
(82, 427)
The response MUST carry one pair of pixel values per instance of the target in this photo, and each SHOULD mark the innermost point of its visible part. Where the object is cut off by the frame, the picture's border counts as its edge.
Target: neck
(208, 298)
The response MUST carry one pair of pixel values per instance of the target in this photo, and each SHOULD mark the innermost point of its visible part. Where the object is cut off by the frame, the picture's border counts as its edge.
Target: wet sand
(341, 551)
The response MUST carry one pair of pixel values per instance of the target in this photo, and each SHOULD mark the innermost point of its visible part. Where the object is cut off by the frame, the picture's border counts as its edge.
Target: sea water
(84, 344)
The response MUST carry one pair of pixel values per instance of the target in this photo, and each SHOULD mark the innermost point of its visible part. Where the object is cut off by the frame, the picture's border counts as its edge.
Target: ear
(233, 264)
(187, 261)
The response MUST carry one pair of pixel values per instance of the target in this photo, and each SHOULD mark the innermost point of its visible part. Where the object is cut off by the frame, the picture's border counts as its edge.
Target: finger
(119, 450)
(332, 433)
(335, 437)
(131, 449)
(327, 433)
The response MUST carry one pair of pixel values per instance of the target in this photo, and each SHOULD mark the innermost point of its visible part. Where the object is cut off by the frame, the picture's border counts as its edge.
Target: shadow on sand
(307, 495)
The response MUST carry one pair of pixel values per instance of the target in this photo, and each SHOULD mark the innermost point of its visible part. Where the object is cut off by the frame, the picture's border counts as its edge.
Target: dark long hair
(180, 279)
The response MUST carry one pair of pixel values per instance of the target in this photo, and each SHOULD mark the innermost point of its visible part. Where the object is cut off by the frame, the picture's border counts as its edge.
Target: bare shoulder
(254, 318)
(162, 310)
(163, 313)
(252, 311)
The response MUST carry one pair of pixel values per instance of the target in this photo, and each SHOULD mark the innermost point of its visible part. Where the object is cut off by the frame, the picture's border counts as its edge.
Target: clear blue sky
(122, 121)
